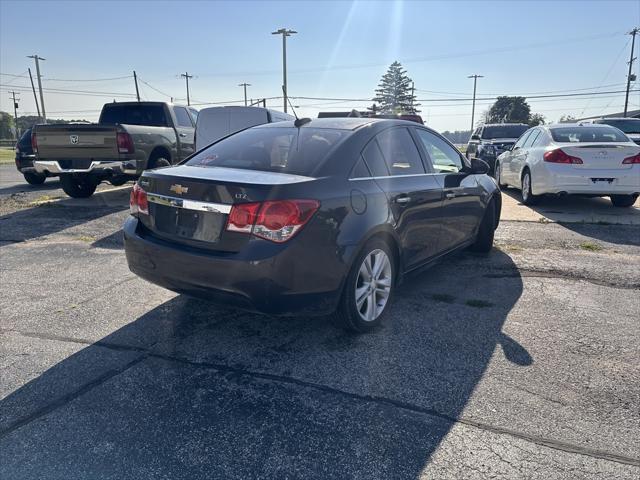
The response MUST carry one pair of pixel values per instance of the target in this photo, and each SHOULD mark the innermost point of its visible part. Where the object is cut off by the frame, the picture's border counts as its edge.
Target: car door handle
(183, 134)
(403, 199)
(449, 195)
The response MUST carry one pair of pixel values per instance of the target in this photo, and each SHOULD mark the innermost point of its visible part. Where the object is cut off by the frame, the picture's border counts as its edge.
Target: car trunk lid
(190, 205)
(601, 155)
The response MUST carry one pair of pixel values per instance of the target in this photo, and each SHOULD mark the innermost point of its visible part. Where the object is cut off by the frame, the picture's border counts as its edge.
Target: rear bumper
(24, 163)
(567, 179)
(268, 278)
(127, 167)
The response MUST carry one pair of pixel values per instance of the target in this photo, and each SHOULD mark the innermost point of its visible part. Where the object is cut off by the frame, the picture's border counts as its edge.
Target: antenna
(299, 121)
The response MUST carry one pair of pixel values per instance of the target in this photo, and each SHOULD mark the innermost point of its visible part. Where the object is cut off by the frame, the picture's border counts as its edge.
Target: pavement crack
(65, 399)
(147, 352)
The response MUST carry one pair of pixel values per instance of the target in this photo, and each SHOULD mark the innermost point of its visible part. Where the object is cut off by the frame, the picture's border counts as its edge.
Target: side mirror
(479, 167)
(514, 148)
(475, 137)
(508, 148)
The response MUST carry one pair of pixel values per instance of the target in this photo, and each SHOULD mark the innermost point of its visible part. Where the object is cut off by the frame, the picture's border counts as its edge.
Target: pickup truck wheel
(158, 163)
(78, 187)
(118, 181)
(35, 178)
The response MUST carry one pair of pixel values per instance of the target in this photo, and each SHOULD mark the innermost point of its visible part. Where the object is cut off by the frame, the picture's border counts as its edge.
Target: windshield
(288, 150)
(586, 134)
(131, 114)
(503, 131)
(631, 125)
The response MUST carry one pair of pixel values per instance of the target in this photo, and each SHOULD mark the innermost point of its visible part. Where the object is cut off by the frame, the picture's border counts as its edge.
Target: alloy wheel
(526, 186)
(373, 285)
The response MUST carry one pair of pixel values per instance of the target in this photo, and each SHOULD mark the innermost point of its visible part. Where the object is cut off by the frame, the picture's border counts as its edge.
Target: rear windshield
(289, 150)
(504, 131)
(151, 115)
(627, 126)
(586, 134)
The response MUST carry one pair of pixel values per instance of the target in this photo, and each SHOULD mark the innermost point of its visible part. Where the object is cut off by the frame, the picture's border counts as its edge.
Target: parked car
(24, 160)
(312, 216)
(489, 141)
(629, 126)
(593, 160)
(129, 138)
(217, 122)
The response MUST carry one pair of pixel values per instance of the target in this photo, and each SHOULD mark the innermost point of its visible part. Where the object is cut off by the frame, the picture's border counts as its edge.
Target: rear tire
(158, 162)
(369, 288)
(35, 178)
(486, 231)
(623, 200)
(528, 198)
(78, 187)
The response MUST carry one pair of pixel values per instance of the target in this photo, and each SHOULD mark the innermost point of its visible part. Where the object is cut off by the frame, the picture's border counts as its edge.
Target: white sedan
(591, 160)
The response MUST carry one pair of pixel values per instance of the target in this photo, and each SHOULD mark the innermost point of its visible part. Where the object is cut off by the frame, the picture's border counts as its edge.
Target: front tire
(486, 231)
(34, 178)
(369, 288)
(78, 187)
(623, 200)
(528, 198)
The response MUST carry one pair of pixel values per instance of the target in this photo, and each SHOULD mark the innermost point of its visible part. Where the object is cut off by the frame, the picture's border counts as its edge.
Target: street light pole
(245, 85)
(473, 105)
(37, 59)
(285, 33)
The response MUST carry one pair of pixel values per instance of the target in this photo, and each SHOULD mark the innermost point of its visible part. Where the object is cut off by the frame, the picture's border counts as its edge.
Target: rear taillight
(138, 202)
(560, 156)
(34, 143)
(632, 160)
(125, 142)
(277, 221)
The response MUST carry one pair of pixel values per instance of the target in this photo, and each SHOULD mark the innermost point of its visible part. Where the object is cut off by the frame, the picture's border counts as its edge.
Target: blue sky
(341, 50)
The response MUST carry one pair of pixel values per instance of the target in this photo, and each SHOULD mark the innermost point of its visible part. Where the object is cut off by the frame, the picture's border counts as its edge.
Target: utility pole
(473, 105)
(15, 113)
(35, 97)
(285, 33)
(186, 76)
(135, 79)
(633, 34)
(245, 85)
(37, 59)
(413, 89)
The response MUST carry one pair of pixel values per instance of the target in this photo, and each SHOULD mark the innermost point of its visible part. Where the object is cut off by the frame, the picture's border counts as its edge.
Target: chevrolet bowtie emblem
(179, 189)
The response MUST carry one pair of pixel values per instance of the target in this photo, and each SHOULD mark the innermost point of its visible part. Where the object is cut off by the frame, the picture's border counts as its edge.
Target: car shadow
(592, 217)
(47, 218)
(195, 390)
(49, 184)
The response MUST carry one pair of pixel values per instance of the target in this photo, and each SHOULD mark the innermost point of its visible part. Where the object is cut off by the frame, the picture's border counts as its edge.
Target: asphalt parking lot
(520, 364)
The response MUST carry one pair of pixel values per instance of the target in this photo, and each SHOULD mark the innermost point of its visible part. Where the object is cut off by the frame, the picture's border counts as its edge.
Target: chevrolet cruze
(312, 216)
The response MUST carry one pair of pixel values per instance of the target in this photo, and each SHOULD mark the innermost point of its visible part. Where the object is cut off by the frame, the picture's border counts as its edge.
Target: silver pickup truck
(129, 138)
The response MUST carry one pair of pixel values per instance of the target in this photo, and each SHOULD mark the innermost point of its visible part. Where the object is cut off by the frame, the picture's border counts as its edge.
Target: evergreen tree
(394, 93)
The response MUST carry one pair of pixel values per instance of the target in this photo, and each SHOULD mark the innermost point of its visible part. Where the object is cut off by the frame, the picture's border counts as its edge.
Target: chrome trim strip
(188, 204)
(50, 166)
(396, 176)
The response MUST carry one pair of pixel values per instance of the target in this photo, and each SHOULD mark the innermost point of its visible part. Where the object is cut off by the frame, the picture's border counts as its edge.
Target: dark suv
(489, 141)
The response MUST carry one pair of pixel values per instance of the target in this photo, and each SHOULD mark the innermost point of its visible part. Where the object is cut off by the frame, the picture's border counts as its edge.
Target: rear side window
(399, 152)
(444, 158)
(134, 114)
(182, 117)
(374, 160)
(360, 170)
(585, 134)
(288, 150)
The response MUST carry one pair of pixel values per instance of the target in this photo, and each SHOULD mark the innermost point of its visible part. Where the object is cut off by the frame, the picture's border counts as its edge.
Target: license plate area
(608, 181)
(187, 224)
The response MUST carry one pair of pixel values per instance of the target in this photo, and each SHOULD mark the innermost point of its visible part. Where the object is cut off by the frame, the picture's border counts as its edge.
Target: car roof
(502, 124)
(577, 125)
(351, 123)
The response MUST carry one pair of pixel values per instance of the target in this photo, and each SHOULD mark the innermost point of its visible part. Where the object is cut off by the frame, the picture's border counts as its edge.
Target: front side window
(533, 136)
(444, 158)
(183, 118)
(288, 150)
(521, 140)
(400, 152)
